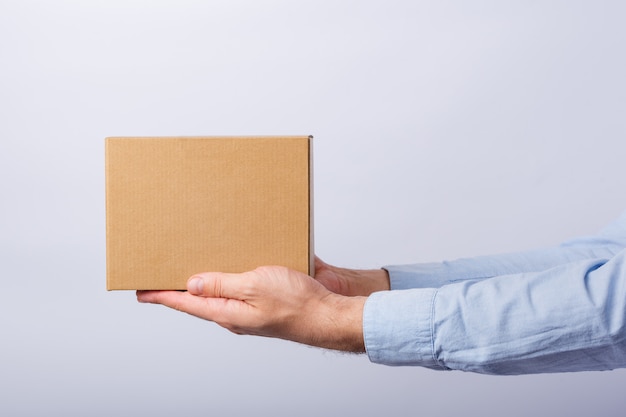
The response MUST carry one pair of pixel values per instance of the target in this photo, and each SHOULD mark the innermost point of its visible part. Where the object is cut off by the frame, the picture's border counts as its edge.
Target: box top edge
(281, 137)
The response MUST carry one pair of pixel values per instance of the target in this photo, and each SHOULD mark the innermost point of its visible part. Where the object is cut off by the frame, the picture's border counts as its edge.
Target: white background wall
(442, 128)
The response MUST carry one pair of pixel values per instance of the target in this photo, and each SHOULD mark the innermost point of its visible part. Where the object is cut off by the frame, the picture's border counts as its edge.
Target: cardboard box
(176, 206)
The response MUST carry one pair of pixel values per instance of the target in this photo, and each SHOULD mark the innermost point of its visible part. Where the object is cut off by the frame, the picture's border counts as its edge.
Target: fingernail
(195, 285)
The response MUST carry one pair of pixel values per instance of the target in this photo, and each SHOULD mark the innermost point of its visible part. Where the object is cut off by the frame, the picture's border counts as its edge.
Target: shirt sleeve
(544, 311)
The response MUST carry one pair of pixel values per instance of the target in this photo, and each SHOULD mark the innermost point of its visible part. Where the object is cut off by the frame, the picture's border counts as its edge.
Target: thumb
(214, 285)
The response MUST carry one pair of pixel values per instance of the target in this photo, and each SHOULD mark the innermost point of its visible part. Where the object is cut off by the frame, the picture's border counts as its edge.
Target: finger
(144, 296)
(216, 310)
(217, 285)
(168, 298)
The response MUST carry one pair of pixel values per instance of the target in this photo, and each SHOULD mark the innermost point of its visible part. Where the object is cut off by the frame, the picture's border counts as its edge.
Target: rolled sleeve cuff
(397, 327)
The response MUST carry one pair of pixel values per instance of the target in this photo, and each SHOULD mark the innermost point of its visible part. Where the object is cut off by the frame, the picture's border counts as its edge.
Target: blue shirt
(552, 310)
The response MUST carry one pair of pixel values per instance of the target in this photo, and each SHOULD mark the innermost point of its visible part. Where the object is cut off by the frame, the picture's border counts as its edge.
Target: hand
(271, 301)
(351, 282)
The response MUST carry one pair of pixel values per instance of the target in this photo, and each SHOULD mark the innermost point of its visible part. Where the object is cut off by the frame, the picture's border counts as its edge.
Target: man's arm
(569, 317)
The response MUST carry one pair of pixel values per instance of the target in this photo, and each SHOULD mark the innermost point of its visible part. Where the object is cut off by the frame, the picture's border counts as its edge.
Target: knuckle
(216, 287)
(262, 270)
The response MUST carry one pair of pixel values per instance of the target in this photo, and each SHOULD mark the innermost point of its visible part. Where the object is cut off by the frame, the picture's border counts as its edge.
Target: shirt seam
(432, 329)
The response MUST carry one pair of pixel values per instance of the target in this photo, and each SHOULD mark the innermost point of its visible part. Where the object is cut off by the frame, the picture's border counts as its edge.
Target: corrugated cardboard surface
(183, 205)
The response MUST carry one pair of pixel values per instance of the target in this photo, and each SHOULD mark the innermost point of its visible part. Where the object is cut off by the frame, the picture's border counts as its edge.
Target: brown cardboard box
(176, 206)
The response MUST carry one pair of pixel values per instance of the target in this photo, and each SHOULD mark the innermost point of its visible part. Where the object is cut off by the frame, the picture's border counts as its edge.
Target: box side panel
(179, 206)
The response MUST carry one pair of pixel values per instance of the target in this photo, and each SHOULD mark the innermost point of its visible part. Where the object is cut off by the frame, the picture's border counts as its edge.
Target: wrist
(343, 323)
(364, 282)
